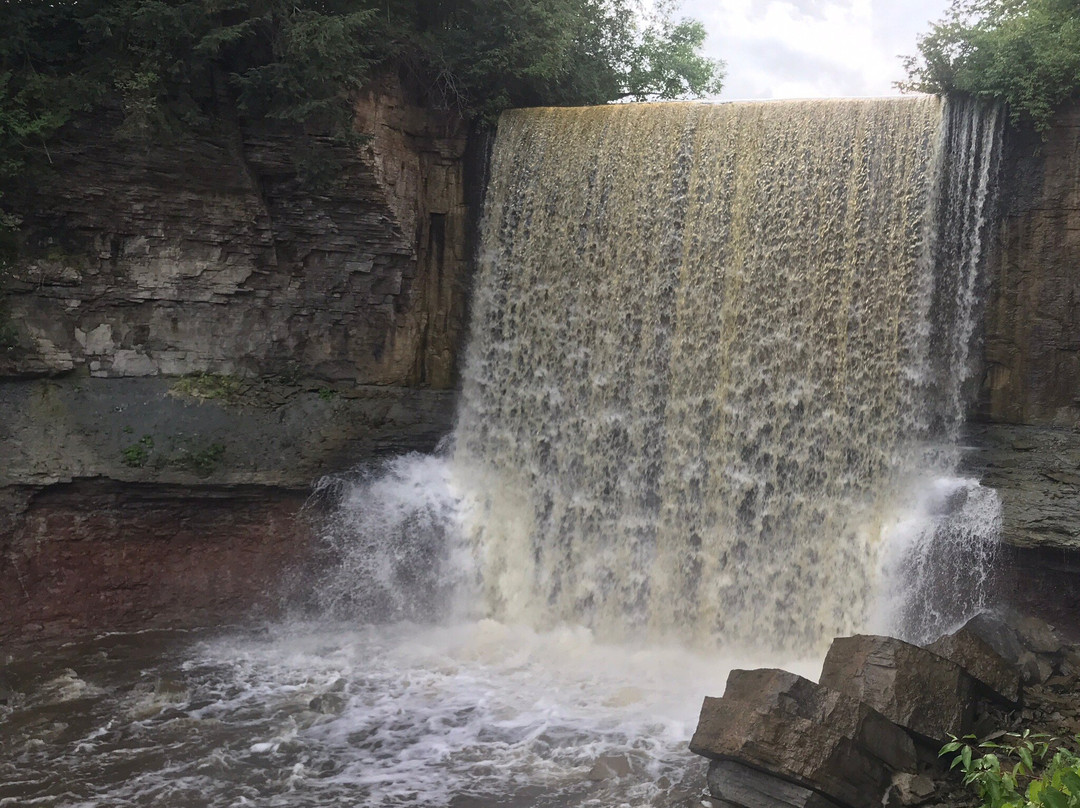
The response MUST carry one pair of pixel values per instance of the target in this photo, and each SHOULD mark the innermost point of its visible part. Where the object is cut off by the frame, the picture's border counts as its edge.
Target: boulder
(734, 784)
(996, 632)
(1037, 635)
(910, 789)
(999, 678)
(810, 735)
(1034, 668)
(1011, 633)
(926, 694)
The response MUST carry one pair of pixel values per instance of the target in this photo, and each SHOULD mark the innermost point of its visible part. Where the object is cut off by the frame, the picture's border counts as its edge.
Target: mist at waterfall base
(711, 413)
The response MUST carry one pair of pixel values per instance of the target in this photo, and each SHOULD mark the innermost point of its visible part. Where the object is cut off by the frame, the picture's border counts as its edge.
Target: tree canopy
(1023, 52)
(168, 64)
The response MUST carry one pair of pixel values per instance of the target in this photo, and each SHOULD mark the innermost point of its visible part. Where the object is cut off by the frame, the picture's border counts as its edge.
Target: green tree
(1023, 52)
(483, 56)
(169, 65)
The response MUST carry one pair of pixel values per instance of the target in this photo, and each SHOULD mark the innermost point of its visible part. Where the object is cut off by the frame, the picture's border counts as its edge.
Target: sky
(812, 48)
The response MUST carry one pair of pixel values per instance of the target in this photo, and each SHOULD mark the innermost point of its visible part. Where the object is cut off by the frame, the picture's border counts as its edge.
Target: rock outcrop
(199, 319)
(1026, 427)
(801, 732)
(219, 253)
(869, 734)
(915, 688)
(1032, 370)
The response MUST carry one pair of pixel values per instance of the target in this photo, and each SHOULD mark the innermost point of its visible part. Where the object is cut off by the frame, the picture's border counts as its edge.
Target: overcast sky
(812, 48)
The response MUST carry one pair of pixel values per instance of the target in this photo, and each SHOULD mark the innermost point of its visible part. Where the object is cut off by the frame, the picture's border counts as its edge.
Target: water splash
(393, 544)
(940, 553)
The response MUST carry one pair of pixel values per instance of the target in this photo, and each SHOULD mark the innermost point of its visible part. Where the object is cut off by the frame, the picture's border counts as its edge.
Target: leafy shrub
(168, 66)
(1023, 52)
(1024, 771)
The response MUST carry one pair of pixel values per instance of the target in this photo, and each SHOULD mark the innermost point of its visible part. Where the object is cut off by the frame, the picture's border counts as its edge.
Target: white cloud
(812, 48)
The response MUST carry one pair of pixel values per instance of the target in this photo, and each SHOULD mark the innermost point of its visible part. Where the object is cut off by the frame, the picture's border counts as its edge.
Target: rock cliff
(194, 330)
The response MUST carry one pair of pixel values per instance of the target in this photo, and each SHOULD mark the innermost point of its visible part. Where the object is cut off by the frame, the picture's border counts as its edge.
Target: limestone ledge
(146, 430)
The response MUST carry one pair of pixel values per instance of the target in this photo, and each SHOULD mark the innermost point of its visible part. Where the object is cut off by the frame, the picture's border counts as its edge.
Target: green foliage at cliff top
(169, 65)
(1023, 52)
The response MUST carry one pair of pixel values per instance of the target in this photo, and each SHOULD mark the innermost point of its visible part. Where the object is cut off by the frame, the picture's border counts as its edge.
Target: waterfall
(715, 351)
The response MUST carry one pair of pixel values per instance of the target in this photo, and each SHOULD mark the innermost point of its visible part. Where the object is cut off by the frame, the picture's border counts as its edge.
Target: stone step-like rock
(813, 736)
(926, 694)
(734, 784)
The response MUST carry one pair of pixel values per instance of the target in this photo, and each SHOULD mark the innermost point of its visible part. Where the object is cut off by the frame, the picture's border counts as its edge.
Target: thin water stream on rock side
(711, 412)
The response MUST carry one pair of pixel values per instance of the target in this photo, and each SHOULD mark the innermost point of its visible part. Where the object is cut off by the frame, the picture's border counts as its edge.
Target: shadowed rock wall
(1033, 321)
(1027, 425)
(194, 332)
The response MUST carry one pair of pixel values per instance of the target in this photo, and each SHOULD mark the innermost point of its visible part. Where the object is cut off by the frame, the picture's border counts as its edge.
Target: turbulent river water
(713, 394)
(469, 714)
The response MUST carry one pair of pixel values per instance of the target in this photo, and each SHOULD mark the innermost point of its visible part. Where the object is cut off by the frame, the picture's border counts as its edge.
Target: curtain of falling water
(703, 361)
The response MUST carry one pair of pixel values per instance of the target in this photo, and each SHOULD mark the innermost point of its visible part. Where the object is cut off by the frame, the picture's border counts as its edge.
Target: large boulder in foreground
(911, 686)
(999, 678)
(810, 735)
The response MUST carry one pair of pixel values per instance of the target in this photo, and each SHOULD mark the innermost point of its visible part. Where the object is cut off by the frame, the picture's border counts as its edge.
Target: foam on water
(393, 543)
(470, 714)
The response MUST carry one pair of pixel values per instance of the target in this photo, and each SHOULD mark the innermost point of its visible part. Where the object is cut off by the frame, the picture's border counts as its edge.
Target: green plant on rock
(1026, 770)
(138, 453)
(202, 461)
(210, 387)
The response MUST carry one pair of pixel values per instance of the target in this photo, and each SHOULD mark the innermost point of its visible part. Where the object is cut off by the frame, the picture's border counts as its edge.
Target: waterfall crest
(712, 347)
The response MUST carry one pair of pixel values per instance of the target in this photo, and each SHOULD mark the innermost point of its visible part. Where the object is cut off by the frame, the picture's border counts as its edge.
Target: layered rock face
(199, 321)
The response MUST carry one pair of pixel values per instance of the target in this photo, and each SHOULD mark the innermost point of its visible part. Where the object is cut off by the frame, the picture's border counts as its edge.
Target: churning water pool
(305, 714)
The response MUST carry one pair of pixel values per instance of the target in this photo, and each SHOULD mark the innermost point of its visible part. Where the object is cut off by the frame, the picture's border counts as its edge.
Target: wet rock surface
(1032, 342)
(95, 555)
(997, 674)
(1036, 472)
(915, 688)
(733, 784)
(805, 733)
